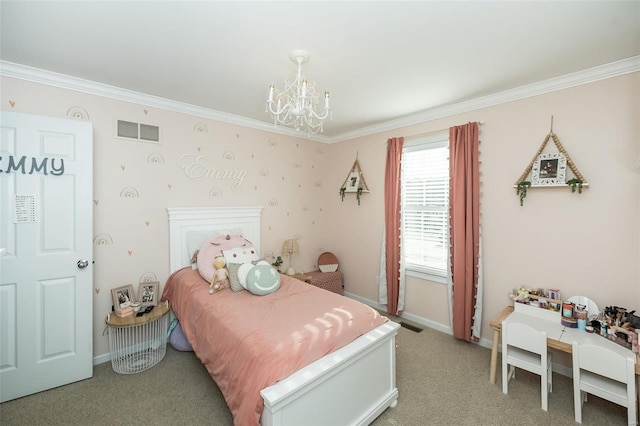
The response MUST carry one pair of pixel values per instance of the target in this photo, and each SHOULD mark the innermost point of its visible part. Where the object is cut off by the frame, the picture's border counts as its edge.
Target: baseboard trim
(101, 359)
(411, 317)
(485, 343)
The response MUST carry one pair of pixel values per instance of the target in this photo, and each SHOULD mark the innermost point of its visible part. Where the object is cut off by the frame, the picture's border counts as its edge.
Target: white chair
(605, 372)
(525, 347)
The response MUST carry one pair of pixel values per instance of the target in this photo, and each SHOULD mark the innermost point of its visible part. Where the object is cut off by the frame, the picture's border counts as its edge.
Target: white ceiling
(381, 61)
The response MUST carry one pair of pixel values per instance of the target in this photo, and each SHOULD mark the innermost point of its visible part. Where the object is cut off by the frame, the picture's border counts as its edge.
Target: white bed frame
(350, 386)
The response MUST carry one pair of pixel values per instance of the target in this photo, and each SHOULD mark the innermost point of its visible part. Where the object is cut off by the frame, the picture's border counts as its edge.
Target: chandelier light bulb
(297, 106)
(271, 89)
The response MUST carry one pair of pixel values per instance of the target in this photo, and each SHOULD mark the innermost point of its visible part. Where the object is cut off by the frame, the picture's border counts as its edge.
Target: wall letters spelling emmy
(22, 165)
(195, 169)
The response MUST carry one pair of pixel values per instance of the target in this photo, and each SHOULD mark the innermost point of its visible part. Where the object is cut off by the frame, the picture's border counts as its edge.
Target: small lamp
(290, 248)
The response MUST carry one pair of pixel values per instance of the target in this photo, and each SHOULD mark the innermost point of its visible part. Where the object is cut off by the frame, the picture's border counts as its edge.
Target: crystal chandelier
(296, 106)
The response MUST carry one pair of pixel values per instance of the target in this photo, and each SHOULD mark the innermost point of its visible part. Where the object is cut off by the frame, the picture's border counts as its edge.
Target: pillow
(263, 279)
(234, 281)
(243, 271)
(196, 238)
(245, 254)
(215, 246)
(178, 340)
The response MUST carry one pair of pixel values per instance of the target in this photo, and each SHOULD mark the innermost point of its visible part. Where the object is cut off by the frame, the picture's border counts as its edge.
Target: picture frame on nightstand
(148, 293)
(122, 297)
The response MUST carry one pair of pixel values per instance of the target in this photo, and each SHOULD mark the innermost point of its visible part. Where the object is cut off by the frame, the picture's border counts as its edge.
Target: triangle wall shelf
(354, 183)
(550, 170)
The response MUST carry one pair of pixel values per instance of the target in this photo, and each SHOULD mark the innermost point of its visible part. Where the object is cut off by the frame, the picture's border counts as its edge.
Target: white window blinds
(425, 206)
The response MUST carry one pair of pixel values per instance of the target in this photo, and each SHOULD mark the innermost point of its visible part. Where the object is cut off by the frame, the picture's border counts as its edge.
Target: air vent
(411, 327)
(138, 131)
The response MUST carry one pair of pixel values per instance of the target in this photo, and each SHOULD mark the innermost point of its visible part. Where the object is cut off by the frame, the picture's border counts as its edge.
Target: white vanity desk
(560, 337)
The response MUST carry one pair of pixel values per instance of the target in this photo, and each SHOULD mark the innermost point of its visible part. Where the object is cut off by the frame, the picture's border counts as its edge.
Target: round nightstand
(138, 343)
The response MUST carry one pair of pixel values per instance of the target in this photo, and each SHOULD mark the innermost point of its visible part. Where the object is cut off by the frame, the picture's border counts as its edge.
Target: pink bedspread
(249, 342)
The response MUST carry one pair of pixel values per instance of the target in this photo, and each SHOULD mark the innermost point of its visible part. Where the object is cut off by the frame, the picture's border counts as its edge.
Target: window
(425, 207)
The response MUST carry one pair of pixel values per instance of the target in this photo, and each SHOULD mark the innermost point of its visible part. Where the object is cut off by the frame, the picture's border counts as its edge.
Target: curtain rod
(435, 132)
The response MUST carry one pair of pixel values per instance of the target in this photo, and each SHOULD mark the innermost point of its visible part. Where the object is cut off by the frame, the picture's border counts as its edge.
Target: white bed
(350, 386)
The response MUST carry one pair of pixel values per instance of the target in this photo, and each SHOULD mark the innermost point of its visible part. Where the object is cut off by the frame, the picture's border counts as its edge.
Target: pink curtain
(392, 222)
(464, 205)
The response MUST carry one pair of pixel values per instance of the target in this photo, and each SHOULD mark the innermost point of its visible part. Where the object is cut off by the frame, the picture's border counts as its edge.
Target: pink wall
(587, 244)
(583, 244)
(134, 183)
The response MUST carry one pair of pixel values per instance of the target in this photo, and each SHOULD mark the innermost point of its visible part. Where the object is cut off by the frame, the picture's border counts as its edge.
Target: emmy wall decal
(195, 167)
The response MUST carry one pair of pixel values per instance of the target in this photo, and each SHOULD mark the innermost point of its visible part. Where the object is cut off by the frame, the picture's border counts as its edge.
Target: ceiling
(381, 61)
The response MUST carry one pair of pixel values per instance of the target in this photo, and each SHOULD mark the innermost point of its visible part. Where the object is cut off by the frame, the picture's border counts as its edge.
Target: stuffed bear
(220, 277)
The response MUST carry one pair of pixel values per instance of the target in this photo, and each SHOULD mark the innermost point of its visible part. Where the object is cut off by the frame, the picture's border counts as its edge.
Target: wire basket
(136, 348)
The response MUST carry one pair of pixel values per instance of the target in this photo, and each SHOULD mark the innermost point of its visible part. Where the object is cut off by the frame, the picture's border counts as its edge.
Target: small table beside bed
(300, 355)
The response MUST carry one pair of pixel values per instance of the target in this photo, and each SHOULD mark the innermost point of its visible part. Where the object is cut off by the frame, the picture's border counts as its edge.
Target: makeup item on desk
(568, 318)
(581, 316)
(567, 309)
(622, 338)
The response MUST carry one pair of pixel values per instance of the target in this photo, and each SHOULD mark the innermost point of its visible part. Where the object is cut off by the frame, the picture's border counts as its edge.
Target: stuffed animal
(217, 246)
(220, 277)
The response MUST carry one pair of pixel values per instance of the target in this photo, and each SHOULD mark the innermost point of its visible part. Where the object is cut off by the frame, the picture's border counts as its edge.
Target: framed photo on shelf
(122, 297)
(148, 293)
(353, 182)
(549, 169)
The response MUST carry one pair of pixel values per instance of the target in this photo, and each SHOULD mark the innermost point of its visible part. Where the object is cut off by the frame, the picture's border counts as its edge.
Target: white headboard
(183, 220)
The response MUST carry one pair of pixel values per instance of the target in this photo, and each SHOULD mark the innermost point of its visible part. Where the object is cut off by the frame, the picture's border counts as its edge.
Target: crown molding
(590, 75)
(36, 75)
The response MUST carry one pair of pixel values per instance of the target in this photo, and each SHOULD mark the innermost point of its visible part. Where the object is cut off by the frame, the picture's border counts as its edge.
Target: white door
(46, 273)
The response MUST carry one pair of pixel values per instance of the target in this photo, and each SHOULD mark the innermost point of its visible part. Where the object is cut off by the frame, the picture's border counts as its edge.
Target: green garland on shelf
(575, 183)
(521, 190)
(358, 193)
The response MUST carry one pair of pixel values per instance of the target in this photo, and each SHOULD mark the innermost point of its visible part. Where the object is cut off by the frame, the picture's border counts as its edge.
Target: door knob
(83, 264)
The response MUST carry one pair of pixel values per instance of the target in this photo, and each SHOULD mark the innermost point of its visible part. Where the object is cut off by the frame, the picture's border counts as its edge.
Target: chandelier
(296, 106)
